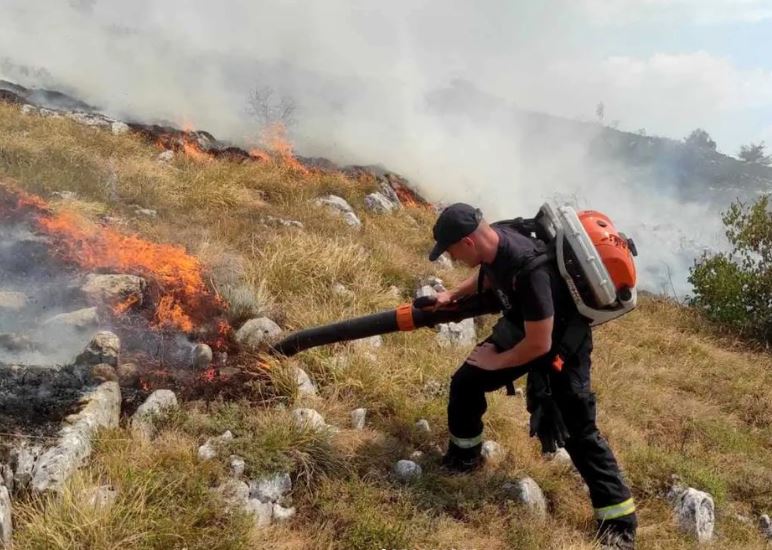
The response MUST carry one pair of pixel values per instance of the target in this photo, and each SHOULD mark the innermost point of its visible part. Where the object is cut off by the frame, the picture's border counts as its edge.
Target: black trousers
(589, 451)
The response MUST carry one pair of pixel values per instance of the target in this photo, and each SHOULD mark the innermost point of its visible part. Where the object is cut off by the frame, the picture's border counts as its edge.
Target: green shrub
(735, 288)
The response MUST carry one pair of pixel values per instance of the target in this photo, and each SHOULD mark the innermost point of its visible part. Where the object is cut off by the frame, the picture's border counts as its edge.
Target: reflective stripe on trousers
(466, 442)
(615, 510)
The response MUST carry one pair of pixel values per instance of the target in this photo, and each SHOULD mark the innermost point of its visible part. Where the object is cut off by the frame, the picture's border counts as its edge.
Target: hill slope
(673, 397)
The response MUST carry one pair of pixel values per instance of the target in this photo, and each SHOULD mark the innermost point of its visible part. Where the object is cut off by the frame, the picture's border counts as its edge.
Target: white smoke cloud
(366, 76)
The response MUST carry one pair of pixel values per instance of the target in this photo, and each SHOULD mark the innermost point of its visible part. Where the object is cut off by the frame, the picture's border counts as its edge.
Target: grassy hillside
(674, 398)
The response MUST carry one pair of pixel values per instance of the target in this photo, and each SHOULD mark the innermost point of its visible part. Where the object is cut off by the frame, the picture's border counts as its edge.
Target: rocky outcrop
(157, 403)
(338, 205)
(529, 494)
(255, 332)
(102, 410)
(694, 511)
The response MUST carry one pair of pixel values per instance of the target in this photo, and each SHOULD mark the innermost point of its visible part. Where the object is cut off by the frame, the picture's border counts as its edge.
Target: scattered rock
(202, 356)
(281, 222)
(128, 374)
(694, 511)
(425, 291)
(415, 456)
(102, 410)
(65, 195)
(148, 212)
(341, 207)
(234, 493)
(407, 470)
(423, 426)
(394, 292)
(283, 514)
(27, 109)
(527, 492)
(305, 385)
(560, 456)
(12, 301)
(444, 262)
(165, 156)
(6, 527)
(103, 348)
(766, 526)
(262, 512)
(519, 392)
(157, 403)
(378, 203)
(102, 497)
(119, 128)
(340, 290)
(256, 331)
(103, 373)
(458, 334)
(114, 289)
(210, 448)
(369, 343)
(82, 319)
(358, 418)
(23, 459)
(270, 488)
(435, 282)
(492, 450)
(388, 192)
(309, 418)
(237, 465)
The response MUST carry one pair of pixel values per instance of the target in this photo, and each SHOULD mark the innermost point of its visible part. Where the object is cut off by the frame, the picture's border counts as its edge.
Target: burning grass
(673, 398)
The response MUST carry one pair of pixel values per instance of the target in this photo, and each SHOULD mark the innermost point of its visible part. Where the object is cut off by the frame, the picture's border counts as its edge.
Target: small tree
(735, 289)
(700, 139)
(600, 112)
(754, 153)
(270, 109)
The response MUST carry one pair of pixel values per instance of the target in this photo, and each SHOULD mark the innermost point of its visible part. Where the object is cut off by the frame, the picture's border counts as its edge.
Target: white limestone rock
(280, 513)
(305, 386)
(82, 319)
(261, 511)
(527, 492)
(407, 470)
(694, 511)
(101, 497)
(113, 288)
(369, 343)
(210, 449)
(157, 403)
(422, 425)
(425, 291)
(765, 524)
(339, 206)
(340, 290)
(358, 417)
(255, 332)
(6, 525)
(444, 262)
(119, 128)
(104, 347)
(202, 356)
(492, 451)
(102, 410)
(270, 488)
(458, 334)
(308, 418)
(165, 156)
(379, 204)
(237, 466)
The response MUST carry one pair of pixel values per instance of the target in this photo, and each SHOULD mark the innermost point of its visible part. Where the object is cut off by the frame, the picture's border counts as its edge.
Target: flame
(274, 138)
(124, 306)
(183, 300)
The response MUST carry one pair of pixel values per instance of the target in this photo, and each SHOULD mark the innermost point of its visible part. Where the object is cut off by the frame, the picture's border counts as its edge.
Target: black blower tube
(406, 317)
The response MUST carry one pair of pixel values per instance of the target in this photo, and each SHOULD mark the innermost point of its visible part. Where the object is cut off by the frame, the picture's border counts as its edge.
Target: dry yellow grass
(674, 397)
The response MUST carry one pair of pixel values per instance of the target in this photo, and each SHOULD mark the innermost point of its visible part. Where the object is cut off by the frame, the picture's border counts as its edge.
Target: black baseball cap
(455, 222)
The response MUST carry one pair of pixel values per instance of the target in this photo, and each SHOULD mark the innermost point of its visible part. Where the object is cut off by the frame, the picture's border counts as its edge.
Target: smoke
(433, 90)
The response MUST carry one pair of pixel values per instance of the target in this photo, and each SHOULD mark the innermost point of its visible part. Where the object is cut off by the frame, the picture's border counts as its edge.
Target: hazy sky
(665, 65)
(361, 72)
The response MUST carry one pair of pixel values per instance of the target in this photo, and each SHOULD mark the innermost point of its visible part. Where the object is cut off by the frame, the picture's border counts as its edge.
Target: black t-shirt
(533, 296)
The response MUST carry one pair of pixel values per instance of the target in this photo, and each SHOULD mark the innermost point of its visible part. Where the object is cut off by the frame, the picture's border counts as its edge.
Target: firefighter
(542, 334)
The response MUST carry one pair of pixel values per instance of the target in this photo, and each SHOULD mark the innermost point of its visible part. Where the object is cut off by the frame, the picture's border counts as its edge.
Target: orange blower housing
(612, 246)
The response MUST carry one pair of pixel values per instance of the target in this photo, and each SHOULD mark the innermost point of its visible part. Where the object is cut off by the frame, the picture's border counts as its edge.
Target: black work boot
(617, 534)
(458, 460)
